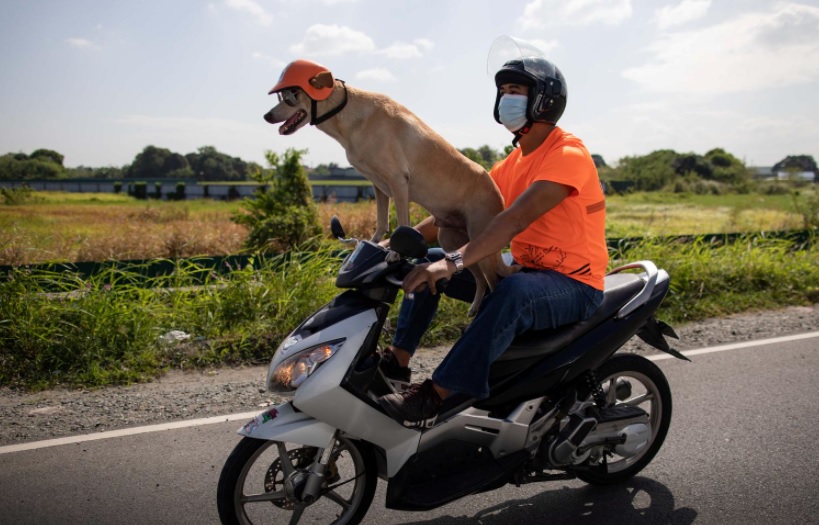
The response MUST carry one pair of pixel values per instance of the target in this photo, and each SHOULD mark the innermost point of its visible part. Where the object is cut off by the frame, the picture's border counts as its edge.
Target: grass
(108, 330)
(77, 227)
(657, 214)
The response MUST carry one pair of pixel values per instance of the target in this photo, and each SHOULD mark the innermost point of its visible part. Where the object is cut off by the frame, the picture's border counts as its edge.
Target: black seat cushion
(619, 289)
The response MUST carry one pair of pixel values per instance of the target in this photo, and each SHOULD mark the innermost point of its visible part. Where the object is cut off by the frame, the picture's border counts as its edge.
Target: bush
(14, 196)
(808, 207)
(141, 190)
(282, 213)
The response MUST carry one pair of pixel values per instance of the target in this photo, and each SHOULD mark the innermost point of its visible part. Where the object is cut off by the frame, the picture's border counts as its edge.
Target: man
(555, 222)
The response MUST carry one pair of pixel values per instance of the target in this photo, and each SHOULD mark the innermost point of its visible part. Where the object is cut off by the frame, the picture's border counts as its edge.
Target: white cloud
(539, 14)
(424, 43)
(751, 52)
(252, 8)
(328, 40)
(378, 74)
(81, 43)
(402, 50)
(275, 62)
(544, 46)
(686, 11)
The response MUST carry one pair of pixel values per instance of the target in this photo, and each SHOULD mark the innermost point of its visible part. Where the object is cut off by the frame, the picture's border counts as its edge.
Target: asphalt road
(741, 449)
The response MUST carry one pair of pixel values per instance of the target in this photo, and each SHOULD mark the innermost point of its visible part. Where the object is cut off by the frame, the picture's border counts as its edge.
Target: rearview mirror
(408, 242)
(336, 229)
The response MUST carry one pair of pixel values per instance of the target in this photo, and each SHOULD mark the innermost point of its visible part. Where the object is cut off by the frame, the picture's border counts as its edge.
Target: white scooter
(561, 406)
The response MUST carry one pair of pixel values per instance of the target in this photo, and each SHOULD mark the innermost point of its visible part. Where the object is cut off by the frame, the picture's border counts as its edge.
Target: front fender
(284, 423)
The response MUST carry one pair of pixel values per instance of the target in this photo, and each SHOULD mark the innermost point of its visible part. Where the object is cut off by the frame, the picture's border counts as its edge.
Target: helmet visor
(506, 48)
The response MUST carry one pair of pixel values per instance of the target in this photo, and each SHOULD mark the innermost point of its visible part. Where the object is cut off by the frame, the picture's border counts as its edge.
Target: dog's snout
(269, 116)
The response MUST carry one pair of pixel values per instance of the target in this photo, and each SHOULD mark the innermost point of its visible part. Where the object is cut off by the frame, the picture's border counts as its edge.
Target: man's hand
(428, 274)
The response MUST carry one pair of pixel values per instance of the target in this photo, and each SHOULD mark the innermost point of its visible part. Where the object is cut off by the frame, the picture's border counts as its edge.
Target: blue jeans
(527, 300)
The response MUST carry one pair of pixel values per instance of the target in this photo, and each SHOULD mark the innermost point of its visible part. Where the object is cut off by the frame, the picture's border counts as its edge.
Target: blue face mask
(512, 111)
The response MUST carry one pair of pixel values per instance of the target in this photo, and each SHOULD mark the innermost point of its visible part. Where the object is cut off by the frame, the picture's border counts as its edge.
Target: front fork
(318, 471)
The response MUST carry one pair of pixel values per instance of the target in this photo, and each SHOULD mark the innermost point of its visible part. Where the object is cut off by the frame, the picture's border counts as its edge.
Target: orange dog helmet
(303, 74)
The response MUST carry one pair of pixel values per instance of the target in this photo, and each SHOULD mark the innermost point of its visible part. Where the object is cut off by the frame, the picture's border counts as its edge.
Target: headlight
(293, 371)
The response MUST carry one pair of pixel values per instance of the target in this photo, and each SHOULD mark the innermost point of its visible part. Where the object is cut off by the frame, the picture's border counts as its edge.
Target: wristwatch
(457, 258)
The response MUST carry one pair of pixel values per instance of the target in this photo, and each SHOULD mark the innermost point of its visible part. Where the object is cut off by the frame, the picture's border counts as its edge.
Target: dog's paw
(505, 270)
(392, 257)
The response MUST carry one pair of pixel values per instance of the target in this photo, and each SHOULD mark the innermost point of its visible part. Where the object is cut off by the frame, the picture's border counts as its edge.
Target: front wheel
(263, 482)
(648, 389)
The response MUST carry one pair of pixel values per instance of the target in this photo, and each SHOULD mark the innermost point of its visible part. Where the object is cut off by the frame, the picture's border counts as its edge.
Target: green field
(85, 227)
(107, 328)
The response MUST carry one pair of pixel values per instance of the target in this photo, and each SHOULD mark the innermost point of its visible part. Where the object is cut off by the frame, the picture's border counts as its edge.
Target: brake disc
(275, 480)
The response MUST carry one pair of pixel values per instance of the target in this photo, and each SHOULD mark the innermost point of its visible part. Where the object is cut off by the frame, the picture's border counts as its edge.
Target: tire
(254, 468)
(649, 381)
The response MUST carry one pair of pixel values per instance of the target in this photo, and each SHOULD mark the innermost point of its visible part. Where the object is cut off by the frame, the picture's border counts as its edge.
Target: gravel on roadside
(188, 395)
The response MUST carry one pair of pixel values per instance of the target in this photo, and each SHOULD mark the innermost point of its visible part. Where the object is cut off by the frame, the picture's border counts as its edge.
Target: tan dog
(403, 158)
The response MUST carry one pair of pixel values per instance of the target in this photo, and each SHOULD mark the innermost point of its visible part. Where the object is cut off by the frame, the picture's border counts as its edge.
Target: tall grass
(107, 329)
(755, 274)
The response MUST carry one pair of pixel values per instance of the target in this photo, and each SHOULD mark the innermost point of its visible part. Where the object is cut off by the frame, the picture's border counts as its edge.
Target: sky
(98, 80)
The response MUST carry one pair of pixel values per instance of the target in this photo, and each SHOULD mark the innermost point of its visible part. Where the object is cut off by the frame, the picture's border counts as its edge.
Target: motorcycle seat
(619, 288)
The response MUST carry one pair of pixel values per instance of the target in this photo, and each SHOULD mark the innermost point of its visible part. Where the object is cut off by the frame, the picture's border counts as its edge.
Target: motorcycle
(562, 405)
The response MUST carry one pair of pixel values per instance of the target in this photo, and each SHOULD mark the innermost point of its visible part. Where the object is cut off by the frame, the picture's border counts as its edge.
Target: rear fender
(284, 423)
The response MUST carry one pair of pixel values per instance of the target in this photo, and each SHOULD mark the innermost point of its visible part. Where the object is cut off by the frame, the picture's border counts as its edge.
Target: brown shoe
(419, 403)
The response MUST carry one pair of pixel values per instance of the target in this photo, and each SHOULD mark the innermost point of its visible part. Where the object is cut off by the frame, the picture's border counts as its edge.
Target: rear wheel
(632, 380)
(262, 482)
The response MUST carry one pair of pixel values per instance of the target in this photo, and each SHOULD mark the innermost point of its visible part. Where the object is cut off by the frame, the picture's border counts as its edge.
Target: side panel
(283, 423)
(322, 396)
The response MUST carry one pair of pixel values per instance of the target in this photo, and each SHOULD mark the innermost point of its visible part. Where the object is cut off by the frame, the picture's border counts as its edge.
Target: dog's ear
(322, 80)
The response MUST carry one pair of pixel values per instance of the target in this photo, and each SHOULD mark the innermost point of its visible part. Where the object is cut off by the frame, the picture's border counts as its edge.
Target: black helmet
(547, 87)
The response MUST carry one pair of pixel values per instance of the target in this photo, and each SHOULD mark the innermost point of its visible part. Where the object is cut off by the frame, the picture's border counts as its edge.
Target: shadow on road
(639, 501)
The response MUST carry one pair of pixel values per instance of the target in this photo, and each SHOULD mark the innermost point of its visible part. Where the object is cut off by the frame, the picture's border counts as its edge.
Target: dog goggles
(288, 96)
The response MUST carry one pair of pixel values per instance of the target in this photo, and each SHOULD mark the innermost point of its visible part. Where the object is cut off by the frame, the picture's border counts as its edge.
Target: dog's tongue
(292, 121)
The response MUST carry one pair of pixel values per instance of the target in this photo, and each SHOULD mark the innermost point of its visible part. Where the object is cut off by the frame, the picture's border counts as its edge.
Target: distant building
(795, 175)
(337, 173)
(342, 185)
(760, 172)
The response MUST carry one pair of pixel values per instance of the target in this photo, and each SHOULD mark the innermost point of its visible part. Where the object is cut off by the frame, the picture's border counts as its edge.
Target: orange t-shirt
(571, 237)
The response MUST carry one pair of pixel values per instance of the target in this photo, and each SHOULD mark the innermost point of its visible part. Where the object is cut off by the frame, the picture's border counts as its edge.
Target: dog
(402, 156)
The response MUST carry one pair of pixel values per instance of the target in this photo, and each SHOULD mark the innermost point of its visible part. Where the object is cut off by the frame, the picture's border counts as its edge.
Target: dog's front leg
(382, 214)
(400, 195)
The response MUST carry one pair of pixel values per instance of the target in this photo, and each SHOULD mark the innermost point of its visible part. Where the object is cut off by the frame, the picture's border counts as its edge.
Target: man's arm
(538, 199)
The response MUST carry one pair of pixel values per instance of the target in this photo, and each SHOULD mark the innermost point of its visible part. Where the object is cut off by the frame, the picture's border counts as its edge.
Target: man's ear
(322, 80)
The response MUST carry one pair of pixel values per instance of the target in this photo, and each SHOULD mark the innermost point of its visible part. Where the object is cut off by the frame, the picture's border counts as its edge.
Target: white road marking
(34, 445)
(737, 346)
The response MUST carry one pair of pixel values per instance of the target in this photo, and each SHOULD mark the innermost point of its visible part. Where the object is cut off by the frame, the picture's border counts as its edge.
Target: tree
(797, 163)
(19, 166)
(692, 163)
(48, 155)
(151, 163)
(726, 167)
(650, 172)
(283, 215)
(208, 164)
(486, 156)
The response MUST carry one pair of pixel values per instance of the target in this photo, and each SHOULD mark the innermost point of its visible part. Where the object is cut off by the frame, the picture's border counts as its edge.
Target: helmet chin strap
(521, 132)
(315, 121)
